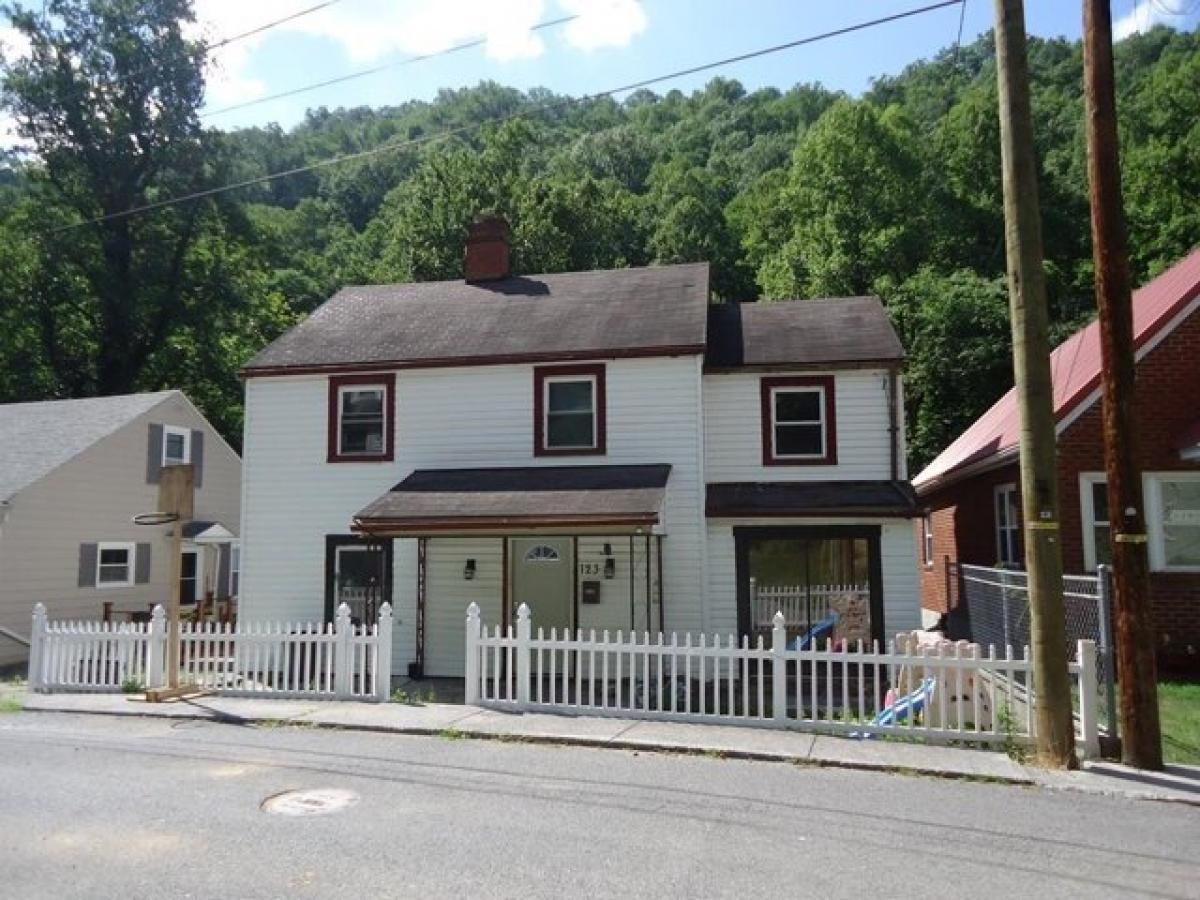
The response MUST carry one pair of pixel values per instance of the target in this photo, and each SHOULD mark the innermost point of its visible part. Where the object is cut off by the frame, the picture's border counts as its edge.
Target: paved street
(93, 806)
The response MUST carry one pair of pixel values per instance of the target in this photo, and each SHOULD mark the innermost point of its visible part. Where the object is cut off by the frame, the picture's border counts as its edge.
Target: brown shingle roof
(435, 500)
(619, 312)
(801, 332)
(823, 498)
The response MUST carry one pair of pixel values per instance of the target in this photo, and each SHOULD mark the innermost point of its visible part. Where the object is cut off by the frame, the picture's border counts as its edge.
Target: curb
(615, 743)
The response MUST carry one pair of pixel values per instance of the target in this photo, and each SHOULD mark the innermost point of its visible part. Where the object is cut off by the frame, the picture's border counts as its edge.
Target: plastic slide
(899, 710)
(822, 629)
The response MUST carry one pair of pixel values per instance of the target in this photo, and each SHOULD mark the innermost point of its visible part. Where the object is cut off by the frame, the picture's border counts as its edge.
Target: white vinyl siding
(733, 431)
(92, 498)
(449, 595)
(450, 418)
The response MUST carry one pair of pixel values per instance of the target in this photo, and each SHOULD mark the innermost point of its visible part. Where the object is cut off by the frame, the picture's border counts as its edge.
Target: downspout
(893, 389)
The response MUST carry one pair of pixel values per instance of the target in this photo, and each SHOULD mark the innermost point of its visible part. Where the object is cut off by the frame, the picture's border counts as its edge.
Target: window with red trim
(569, 416)
(798, 427)
(361, 418)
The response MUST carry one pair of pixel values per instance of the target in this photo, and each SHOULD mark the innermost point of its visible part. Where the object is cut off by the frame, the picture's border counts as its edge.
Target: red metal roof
(1075, 366)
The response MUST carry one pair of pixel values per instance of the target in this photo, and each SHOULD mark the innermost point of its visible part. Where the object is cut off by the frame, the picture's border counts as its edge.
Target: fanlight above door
(541, 553)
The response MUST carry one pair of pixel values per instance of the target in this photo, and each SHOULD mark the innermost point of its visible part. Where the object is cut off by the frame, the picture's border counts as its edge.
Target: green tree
(107, 101)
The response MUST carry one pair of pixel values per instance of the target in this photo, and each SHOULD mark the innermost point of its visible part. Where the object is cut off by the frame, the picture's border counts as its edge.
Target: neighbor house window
(569, 413)
(114, 564)
(1173, 517)
(927, 537)
(177, 446)
(798, 421)
(235, 569)
(360, 418)
(1009, 551)
(1093, 512)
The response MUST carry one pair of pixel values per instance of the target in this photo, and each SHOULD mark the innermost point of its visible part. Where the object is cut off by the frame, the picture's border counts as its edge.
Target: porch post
(1089, 697)
(522, 649)
(471, 694)
(383, 654)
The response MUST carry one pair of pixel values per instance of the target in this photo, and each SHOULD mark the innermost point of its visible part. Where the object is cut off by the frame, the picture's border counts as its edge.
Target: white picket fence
(800, 604)
(338, 660)
(940, 693)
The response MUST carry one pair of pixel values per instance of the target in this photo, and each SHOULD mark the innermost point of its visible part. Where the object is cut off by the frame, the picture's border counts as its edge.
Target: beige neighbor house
(73, 474)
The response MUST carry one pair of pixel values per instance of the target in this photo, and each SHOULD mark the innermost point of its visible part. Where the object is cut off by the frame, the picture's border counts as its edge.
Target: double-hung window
(114, 564)
(176, 446)
(1173, 517)
(1009, 551)
(569, 410)
(360, 418)
(798, 421)
(1093, 512)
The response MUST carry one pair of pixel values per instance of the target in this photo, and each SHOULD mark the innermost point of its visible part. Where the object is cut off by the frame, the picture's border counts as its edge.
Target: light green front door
(542, 570)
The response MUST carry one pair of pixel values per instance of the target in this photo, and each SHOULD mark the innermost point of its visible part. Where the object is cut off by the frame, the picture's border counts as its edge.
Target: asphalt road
(101, 807)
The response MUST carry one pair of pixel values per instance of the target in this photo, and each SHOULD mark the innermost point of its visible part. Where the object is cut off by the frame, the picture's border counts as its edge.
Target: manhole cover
(315, 802)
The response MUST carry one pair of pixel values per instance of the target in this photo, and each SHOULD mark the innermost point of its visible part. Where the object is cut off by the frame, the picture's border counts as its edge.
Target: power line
(471, 126)
(267, 26)
(375, 70)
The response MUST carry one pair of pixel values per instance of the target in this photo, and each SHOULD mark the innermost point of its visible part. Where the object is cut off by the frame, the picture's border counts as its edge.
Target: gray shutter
(141, 568)
(222, 571)
(154, 454)
(198, 456)
(87, 564)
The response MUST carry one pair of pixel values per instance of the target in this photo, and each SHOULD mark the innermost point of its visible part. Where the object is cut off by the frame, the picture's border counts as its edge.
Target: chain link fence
(992, 609)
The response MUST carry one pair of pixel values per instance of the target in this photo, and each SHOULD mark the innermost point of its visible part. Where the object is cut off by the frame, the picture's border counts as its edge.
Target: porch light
(469, 570)
(610, 568)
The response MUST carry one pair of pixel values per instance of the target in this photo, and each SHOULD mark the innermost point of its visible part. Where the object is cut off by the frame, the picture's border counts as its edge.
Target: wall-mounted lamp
(608, 549)
(469, 570)
(610, 568)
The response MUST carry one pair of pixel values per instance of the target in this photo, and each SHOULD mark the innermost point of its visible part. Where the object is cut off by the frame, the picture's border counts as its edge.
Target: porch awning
(609, 499)
(748, 499)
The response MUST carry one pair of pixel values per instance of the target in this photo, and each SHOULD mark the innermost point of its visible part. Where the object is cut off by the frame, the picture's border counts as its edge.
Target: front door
(358, 574)
(542, 577)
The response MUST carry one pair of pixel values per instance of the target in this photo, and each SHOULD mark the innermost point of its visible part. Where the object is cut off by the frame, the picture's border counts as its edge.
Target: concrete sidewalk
(1178, 784)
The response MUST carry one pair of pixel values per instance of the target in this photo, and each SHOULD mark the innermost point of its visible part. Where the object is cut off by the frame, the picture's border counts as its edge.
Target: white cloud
(1142, 17)
(368, 30)
(604, 23)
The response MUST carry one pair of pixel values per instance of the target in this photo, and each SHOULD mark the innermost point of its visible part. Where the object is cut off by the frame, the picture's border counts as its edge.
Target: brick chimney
(487, 250)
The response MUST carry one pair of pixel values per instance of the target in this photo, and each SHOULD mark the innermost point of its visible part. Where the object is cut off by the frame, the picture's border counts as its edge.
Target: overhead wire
(549, 106)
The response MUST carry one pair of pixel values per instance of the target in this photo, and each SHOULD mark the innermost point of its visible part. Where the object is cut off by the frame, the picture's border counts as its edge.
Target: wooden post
(176, 492)
(1031, 364)
(1141, 738)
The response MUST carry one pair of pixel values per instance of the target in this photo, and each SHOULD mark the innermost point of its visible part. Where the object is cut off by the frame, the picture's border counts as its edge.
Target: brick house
(970, 494)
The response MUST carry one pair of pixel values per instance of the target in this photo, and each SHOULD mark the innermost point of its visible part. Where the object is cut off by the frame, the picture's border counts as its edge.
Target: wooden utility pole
(1035, 393)
(1141, 741)
(175, 496)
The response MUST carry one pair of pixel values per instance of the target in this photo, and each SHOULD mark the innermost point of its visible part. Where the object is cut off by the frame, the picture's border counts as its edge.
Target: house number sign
(589, 568)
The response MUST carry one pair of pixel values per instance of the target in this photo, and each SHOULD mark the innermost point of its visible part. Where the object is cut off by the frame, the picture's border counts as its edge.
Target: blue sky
(615, 42)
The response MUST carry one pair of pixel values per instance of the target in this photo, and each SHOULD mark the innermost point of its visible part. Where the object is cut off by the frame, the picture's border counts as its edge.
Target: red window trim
(766, 385)
(386, 380)
(540, 374)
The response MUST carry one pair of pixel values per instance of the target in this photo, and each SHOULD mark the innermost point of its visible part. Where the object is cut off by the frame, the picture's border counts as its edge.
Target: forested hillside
(789, 192)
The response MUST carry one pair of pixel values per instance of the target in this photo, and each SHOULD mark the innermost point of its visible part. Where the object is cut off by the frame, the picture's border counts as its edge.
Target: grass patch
(452, 734)
(11, 704)
(1179, 710)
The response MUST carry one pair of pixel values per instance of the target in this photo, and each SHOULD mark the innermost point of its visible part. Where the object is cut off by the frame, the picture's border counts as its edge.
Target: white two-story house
(608, 447)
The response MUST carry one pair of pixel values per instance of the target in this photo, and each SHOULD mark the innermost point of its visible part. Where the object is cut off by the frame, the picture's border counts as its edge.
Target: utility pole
(1141, 740)
(1035, 395)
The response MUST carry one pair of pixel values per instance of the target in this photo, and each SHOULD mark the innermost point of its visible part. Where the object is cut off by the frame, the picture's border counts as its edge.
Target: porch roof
(616, 499)
(748, 499)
